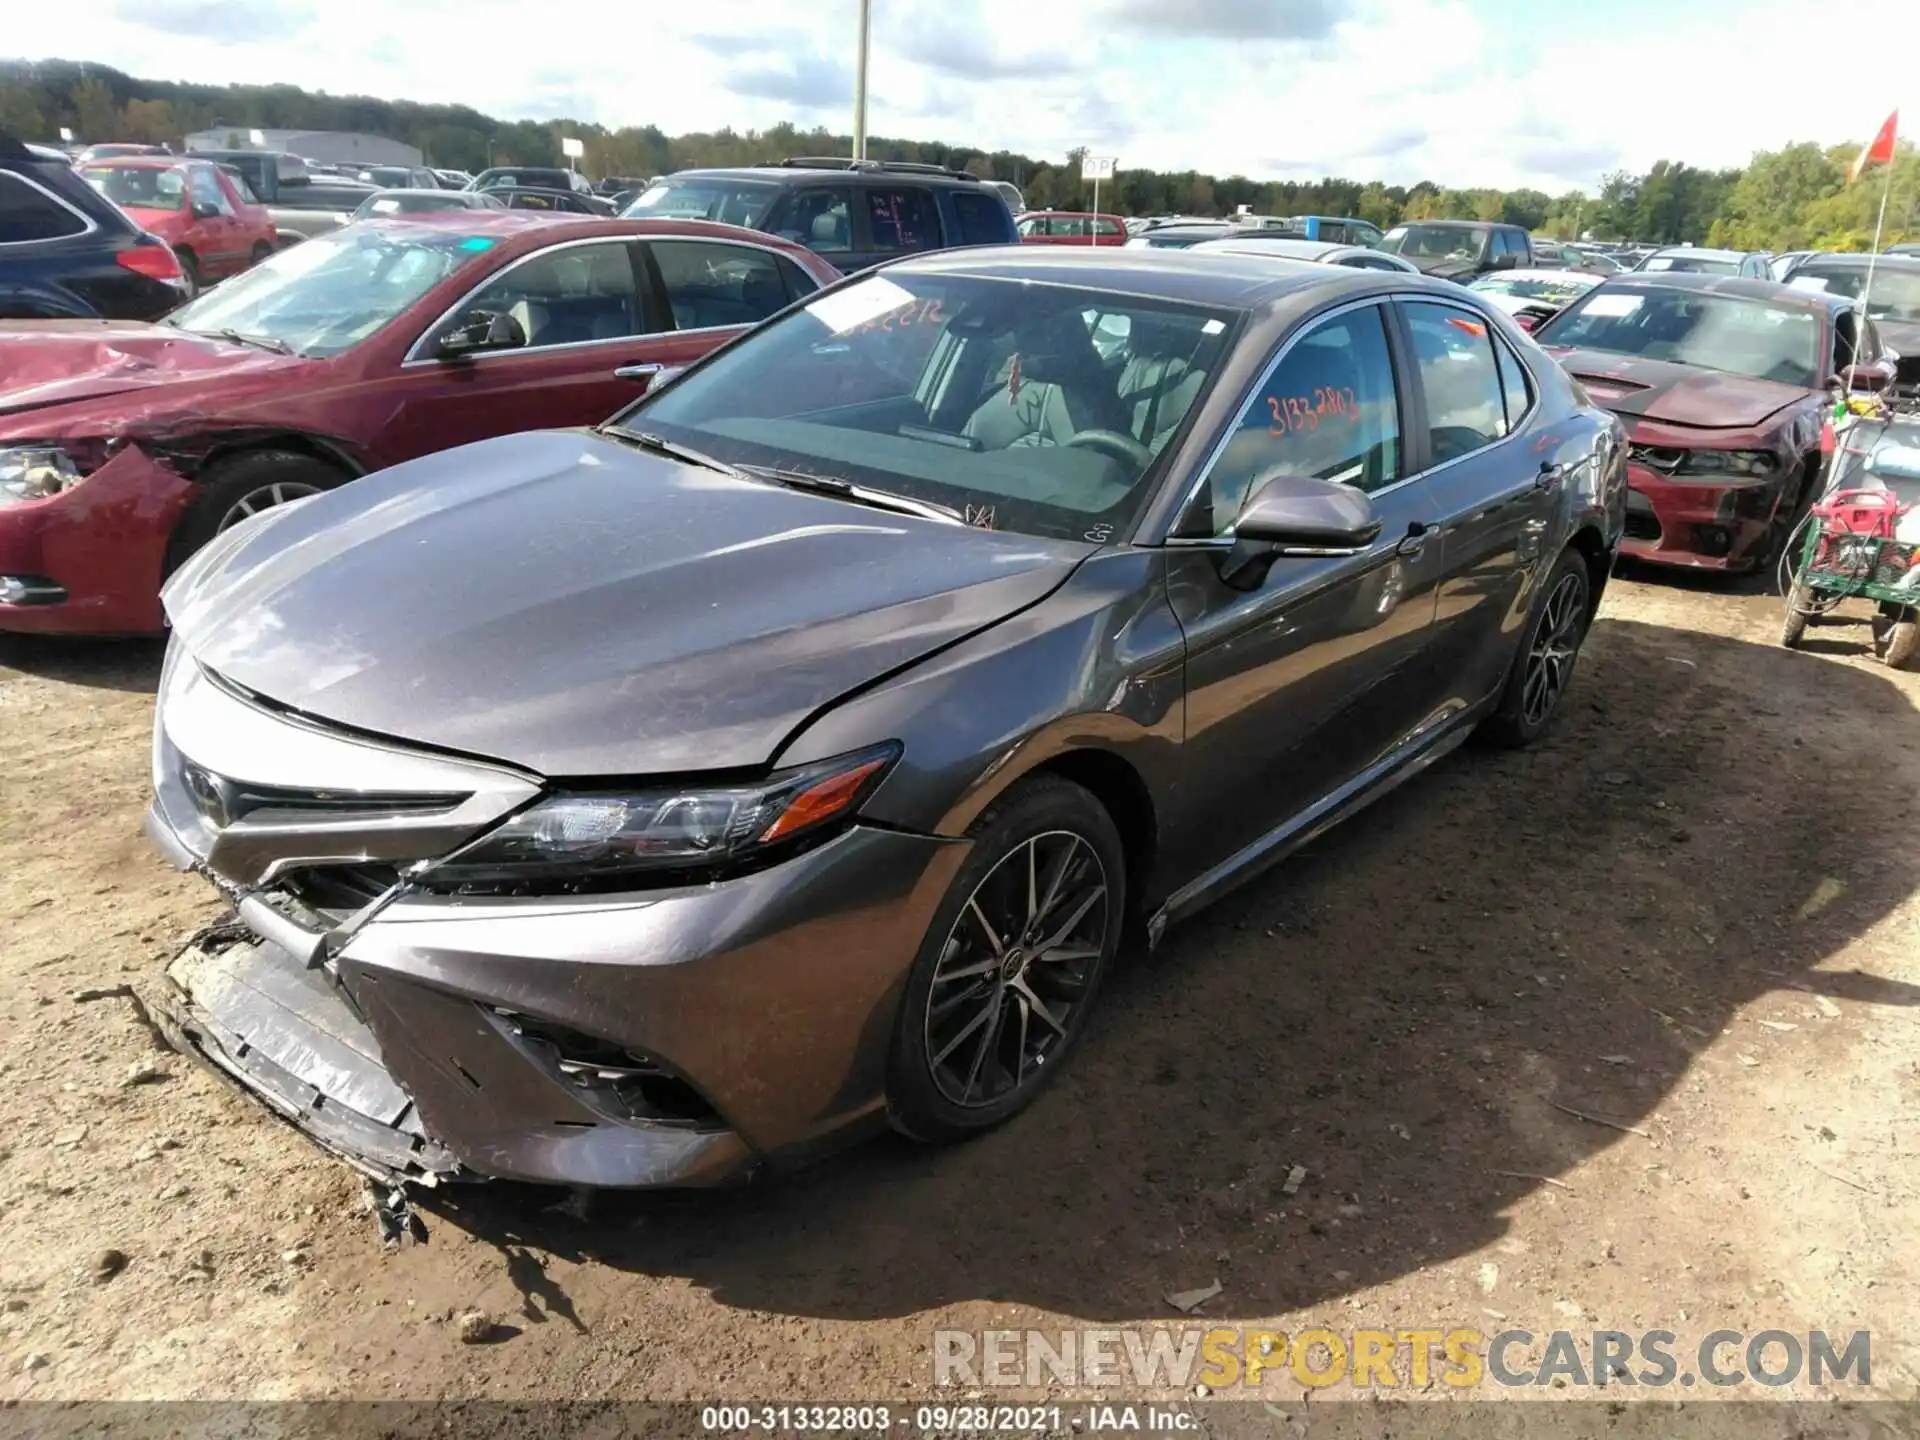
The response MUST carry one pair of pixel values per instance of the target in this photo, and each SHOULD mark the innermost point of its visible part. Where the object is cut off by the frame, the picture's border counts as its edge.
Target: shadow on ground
(131, 666)
(1400, 1011)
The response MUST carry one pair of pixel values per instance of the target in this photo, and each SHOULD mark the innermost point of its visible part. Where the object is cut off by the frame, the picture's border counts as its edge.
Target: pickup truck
(300, 204)
(1460, 249)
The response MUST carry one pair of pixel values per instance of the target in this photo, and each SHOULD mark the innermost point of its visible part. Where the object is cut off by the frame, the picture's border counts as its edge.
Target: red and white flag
(1877, 151)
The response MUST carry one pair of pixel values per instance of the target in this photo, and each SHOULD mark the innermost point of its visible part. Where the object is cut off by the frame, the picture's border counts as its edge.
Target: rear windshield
(1026, 407)
(732, 202)
(1895, 294)
(1691, 265)
(140, 187)
(1436, 242)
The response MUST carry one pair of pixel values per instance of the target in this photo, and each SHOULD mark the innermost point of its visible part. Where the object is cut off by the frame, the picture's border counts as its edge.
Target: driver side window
(567, 296)
(1328, 409)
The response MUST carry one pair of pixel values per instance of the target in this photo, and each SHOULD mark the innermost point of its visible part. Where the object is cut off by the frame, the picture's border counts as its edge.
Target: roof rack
(842, 162)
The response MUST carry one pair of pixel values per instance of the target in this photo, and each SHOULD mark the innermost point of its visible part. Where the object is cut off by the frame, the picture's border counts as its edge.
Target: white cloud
(1458, 91)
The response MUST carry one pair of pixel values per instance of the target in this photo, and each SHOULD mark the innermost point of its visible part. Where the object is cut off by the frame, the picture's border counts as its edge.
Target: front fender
(1097, 665)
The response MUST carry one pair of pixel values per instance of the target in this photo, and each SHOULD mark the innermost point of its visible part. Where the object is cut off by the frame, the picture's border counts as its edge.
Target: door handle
(1549, 476)
(637, 372)
(1415, 543)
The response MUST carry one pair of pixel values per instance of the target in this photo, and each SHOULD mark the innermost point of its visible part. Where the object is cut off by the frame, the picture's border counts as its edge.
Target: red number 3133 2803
(1294, 413)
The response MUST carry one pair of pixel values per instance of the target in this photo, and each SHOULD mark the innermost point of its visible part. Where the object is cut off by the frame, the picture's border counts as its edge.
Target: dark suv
(1460, 249)
(857, 213)
(68, 253)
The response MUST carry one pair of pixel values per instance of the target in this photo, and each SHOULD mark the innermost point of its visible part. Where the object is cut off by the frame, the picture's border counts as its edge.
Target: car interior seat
(1159, 381)
(1052, 387)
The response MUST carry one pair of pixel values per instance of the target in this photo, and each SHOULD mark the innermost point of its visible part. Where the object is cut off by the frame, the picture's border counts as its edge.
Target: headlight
(33, 472)
(587, 840)
(1730, 462)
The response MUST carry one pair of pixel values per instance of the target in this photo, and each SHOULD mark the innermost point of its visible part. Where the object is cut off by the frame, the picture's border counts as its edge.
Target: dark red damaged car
(125, 447)
(1721, 383)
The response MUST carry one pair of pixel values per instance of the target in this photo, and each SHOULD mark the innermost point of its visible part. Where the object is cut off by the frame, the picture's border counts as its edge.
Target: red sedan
(1071, 227)
(125, 447)
(194, 206)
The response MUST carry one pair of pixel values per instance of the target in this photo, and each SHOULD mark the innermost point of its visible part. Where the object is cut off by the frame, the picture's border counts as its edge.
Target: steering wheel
(1123, 448)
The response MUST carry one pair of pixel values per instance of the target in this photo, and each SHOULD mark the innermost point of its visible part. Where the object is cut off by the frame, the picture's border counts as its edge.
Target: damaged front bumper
(669, 1037)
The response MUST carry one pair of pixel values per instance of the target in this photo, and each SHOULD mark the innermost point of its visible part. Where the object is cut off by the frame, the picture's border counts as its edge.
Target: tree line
(1795, 198)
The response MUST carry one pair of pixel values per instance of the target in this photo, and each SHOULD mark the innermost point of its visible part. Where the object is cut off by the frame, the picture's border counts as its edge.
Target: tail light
(152, 257)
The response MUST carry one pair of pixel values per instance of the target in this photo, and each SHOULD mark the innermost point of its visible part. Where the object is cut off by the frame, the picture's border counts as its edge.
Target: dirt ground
(1692, 911)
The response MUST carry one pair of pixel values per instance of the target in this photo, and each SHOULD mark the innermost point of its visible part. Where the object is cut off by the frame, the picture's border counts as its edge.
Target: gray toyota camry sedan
(631, 806)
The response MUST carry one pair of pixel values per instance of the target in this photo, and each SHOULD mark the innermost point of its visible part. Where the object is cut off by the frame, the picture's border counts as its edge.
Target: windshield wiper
(859, 494)
(660, 445)
(262, 342)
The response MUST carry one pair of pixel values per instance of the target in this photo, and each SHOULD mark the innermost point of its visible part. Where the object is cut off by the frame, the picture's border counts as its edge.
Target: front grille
(223, 801)
(340, 887)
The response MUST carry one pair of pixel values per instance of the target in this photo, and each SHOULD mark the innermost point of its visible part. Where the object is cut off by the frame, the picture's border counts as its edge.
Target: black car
(1460, 249)
(559, 202)
(788, 755)
(533, 177)
(68, 253)
(1893, 301)
(857, 213)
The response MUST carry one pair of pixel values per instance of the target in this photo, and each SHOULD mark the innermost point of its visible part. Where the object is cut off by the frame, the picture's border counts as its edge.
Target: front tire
(261, 252)
(1543, 666)
(190, 269)
(232, 490)
(1007, 974)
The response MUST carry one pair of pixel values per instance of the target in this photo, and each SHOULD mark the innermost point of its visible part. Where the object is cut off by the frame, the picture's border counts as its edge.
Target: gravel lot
(1691, 911)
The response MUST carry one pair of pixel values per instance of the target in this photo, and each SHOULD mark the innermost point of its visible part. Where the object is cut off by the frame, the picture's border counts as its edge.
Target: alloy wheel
(1556, 641)
(1016, 968)
(265, 497)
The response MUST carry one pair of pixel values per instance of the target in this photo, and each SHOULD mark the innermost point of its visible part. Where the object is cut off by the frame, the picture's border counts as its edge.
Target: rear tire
(1903, 644)
(1028, 929)
(1543, 666)
(260, 252)
(231, 490)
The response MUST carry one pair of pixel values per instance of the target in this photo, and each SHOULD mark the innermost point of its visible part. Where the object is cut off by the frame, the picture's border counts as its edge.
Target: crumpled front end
(663, 1037)
(1706, 503)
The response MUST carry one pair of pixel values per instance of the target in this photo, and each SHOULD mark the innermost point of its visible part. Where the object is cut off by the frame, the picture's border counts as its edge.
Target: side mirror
(482, 330)
(1296, 516)
(1508, 261)
(1865, 379)
(205, 210)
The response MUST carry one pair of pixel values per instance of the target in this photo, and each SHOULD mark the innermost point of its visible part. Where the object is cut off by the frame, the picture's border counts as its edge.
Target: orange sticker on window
(1294, 413)
(1472, 327)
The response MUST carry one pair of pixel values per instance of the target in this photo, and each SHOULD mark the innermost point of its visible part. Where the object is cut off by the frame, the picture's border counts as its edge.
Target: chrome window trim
(1382, 298)
(85, 219)
(414, 357)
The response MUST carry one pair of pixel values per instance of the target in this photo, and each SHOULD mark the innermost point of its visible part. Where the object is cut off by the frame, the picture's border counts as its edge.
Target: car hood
(560, 601)
(57, 362)
(1443, 268)
(1676, 394)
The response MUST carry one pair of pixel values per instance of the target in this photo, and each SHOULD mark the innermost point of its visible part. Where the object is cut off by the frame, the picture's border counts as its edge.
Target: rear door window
(903, 217)
(710, 284)
(1453, 351)
(28, 213)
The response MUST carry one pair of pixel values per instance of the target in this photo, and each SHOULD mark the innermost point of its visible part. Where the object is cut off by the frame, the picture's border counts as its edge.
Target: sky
(1466, 93)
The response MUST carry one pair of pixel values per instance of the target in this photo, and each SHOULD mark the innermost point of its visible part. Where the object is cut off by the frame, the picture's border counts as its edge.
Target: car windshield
(1557, 290)
(1435, 242)
(1025, 407)
(1895, 294)
(1691, 265)
(732, 202)
(140, 187)
(531, 175)
(1716, 332)
(326, 294)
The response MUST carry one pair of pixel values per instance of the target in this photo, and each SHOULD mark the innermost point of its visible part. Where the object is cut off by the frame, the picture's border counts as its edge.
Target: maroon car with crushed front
(125, 447)
(1721, 383)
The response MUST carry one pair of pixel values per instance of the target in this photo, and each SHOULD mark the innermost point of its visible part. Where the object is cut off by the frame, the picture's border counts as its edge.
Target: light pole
(860, 84)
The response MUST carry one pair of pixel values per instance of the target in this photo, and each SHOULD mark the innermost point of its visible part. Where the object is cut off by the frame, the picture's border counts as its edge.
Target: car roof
(1223, 279)
(1075, 214)
(1702, 250)
(1855, 260)
(418, 190)
(1284, 246)
(145, 162)
(1458, 224)
(1541, 272)
(540, 227)
(777, 174)
(1741, 287)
